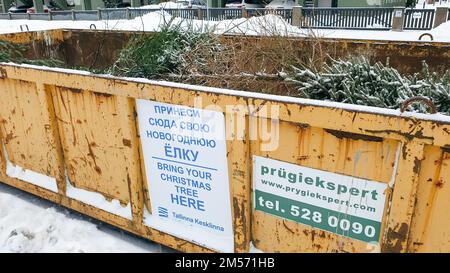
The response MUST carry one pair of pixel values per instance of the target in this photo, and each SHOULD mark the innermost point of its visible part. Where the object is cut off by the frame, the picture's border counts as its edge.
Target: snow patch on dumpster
(99, 201)
(29, 176)
(254, 249)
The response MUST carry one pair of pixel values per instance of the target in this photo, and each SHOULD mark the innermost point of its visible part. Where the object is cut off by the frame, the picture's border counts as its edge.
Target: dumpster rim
(438, 117)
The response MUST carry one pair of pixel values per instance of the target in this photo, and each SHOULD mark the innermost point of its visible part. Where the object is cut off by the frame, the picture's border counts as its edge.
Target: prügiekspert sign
(341, 204)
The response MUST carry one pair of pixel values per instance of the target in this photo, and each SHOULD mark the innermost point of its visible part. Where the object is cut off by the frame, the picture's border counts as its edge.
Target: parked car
(123, 5)
(191, 3)
(47, 8)
(19, 9)
(249, 4)
(281, 4)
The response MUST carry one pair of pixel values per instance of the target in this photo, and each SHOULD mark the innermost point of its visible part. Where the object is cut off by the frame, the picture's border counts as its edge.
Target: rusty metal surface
(407, 153)
(96, 141)
(407, 57)
(430, 232)
(41, 44)
(93, 49)
(98, 49)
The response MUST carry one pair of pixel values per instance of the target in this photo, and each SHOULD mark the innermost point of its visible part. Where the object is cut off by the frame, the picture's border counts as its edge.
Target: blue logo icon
(163, 212)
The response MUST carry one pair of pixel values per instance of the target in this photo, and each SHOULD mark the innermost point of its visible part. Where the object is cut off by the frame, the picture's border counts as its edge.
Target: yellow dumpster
(203, 169)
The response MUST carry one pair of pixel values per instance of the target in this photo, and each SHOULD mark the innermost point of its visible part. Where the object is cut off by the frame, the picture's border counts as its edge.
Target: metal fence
(133, 13)
(190, 14)
(348, 18)
(326, 18)
(285, 13)
(63, 15)
(419, 19)
(86, 15)
(219, 14)
(114, 14)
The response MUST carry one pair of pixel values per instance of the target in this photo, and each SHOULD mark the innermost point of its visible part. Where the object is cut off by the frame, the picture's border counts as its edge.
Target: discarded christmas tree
(356, 81)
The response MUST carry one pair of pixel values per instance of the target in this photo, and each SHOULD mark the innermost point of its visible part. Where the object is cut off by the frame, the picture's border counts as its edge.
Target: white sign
(398, 13)
(417, 15)
(341, 204)
(185, 160)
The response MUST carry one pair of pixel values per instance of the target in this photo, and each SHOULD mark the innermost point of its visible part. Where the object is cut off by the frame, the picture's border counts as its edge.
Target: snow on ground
(439, 3)
(166, 5)
(30, 224)
(442, 32)
(263, 25)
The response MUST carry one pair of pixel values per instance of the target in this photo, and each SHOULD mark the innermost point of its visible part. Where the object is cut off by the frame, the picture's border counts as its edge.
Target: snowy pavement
(31, 224)
(438, 3)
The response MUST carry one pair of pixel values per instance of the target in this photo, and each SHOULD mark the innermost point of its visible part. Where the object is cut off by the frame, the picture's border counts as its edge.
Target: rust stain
(342, 134)
(62, 100)
(408, 136)
(102, 94)
(416, 167)
(121, 82)
(313, 235)
(72, 125)
(285, 225)
(3, 73)
(92, 155)
(130, 191)
(126, 142)
(303, 125)
(395, 238)
(240, 223)
(439, 183)
(74, 90)
(306, 232)
(9, 137)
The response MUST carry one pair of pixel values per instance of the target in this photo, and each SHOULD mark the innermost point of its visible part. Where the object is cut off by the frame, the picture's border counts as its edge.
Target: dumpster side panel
(95, 117)
(97, 141)
(3, 175)
(430, 230)
(354, 155)
(42, 45)
(56, 35)
(27, 127)
(403, 198)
